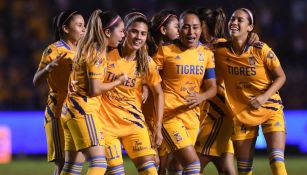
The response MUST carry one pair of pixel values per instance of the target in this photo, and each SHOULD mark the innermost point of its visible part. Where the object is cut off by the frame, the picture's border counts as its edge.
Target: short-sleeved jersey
(79, 102)
(183, 72)
(122, 105)
(247, 76)
(57, 79)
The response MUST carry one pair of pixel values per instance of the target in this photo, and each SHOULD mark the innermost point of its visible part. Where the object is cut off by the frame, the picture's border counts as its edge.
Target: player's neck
(128, 53)
(71, 44)
(238, 46)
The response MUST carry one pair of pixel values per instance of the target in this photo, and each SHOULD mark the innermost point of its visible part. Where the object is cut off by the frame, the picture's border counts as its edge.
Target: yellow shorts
(55, 140)
(177, 136)
(214, 138)
(275, 123)
(137, 144)
(82, 131)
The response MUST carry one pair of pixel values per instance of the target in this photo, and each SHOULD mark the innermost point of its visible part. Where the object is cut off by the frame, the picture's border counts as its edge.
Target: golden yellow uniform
(121, 110)
(216, 125)
(58, 82)
(80, 113)
(183, 72)
(247, 76)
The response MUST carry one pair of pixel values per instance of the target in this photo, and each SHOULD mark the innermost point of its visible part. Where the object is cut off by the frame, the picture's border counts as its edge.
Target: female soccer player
(163, 30)
(81, 112)
(186, 66)
(252, 75)
(214, 140)
(121, 107)
(55, 67)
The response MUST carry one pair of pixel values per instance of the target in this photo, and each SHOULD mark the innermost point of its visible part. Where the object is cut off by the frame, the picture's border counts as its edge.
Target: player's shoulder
(224, 44)
(50, 49)
(260, 45)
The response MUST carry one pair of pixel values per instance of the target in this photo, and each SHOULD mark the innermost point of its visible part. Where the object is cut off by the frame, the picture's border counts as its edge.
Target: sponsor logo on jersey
(138, 146)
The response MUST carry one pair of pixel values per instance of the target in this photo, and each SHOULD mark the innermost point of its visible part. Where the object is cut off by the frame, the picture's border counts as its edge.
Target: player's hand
(55, 62)
(253, 38)
(144, 93)
(256, 102)
(157, 137)
(122, 78)
(194, 99)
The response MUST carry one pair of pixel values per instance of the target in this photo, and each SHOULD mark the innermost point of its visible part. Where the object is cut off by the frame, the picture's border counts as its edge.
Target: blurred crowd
(25, 31)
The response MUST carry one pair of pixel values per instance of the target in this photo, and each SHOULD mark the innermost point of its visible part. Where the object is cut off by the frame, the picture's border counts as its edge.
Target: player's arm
(145, 92)
(159, 109)
(97, 87)
(194, 98)
(42, 72)
(279, 79)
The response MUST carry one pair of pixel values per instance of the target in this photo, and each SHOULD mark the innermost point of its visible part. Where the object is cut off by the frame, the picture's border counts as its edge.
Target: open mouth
(234, 29)
(191, 39)
(137, 42)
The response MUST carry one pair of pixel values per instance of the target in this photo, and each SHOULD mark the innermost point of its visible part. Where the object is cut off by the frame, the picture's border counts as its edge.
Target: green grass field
(38, 166)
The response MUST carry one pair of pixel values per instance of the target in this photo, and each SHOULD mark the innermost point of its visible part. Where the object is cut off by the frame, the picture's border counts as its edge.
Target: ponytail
(93, 40)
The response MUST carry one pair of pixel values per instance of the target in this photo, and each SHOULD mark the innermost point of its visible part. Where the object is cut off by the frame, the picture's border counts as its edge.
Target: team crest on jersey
(177, 136)
(47, 52)
(178, 57)
(251, 60)
(270, 55)
(201, 56)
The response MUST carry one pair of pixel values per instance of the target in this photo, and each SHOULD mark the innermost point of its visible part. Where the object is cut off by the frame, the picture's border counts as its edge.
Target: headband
(133, 18)
(134, 13)
(112, 22)
(249, 14)
(69, 16)
(164, 20)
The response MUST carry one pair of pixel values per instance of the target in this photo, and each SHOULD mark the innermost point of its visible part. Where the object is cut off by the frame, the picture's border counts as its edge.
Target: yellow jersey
(57, 79)
(79, 102)
(247, 76)
(183, 72)
(121, 106)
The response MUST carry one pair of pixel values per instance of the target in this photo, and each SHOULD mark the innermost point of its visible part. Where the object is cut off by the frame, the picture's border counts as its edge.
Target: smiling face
(75, 29)
(137, 35)
(239, 25)
(190, 30)
(117, 34)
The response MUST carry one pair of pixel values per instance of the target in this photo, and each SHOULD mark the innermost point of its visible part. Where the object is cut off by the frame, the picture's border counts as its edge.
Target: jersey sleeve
(153, 77)
(270, 60)
(48, 56)
(96, 68)
(210, 66)
(159, 58)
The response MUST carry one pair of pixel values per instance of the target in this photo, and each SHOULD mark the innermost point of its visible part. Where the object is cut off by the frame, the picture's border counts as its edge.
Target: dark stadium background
(25, 31)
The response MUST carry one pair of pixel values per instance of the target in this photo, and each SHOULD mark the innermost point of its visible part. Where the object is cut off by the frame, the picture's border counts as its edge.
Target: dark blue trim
(210, 73)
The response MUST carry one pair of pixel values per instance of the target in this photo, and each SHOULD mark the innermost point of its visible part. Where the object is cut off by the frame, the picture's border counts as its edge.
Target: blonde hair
(93, 42)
